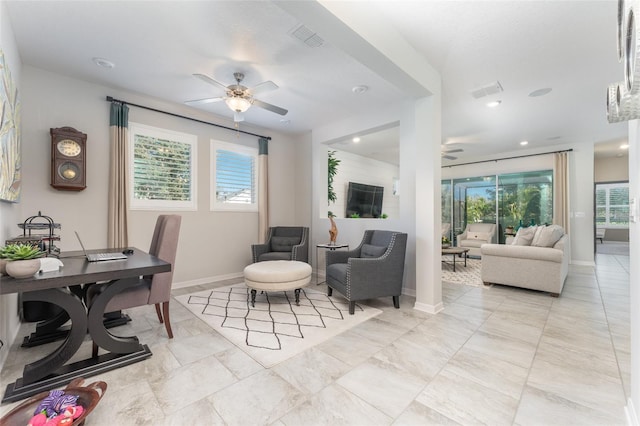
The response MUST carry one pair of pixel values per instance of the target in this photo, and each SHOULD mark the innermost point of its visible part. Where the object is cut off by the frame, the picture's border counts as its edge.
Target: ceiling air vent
(486, 90)
(307, 36)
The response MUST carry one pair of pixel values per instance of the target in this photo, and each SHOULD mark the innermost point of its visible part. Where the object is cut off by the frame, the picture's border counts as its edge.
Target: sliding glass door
(474, 200)
(525, 199)
(508, 200)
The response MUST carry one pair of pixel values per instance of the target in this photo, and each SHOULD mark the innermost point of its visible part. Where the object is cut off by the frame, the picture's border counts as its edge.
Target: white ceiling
(569, 46)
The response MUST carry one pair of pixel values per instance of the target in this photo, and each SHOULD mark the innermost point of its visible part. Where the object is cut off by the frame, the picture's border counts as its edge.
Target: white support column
(427, 116)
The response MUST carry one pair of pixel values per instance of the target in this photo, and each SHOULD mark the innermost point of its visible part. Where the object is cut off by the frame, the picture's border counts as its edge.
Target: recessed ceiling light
(104, 63)
(523, 143)
(359, 89)
(494, 104)
(624, 146)
(540, 92)
(356, 139)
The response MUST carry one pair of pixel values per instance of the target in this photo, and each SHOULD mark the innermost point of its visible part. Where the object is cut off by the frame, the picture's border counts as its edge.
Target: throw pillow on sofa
(549, 236)
(524, 236)
(538, 233)
(477, 235)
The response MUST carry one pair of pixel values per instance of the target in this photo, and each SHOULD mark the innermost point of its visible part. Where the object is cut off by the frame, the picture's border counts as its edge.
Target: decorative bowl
(446, 245)
(88, 397)
(23, 268)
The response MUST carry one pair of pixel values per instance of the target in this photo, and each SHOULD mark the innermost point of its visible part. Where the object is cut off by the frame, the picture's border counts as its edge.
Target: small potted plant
(445, 242)
(22, 260)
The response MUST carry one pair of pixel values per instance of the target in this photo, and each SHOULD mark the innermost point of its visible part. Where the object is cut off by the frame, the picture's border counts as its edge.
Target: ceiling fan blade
(265, 86)
(449, 151)
(449, 157)
(209, 80)
(270, 107)
(203, 101)
(237, 116)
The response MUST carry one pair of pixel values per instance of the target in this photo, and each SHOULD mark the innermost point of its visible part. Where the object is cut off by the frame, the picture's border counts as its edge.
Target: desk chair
(154, 289)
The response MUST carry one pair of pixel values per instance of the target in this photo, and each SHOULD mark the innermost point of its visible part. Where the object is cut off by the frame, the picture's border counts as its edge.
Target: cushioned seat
(475, 235)
(277, 275)
(283, 243)
(374, 269)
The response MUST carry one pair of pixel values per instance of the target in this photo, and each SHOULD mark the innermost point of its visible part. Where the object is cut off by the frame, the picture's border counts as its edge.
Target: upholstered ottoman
(277, 275)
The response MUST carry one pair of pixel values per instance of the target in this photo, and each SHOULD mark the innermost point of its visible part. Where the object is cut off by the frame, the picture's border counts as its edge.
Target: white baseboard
(207, 280)
(629, 410)
(430, 309)
(583, 263)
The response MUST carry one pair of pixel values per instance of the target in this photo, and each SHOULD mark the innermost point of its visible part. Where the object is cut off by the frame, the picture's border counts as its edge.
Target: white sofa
(527, 266)
(475, 235)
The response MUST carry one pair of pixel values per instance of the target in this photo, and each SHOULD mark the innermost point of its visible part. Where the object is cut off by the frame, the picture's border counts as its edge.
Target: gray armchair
(283, 243)
(374, 269)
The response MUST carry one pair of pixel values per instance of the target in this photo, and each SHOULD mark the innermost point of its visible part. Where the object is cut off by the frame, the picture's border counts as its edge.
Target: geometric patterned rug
(469, 275)
(276, 329)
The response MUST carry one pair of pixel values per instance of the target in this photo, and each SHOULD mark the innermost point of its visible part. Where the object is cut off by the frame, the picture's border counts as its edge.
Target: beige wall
(614, 169)
(212, 245)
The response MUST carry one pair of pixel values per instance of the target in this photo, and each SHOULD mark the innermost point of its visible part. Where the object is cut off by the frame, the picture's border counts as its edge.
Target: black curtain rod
(111, 99)
(508, 158)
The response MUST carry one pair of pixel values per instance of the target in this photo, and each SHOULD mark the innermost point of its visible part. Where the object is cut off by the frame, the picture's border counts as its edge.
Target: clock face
(69, 148)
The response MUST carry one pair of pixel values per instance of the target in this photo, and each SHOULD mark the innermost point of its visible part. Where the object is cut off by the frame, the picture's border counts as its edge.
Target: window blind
(162, 169)
(235, 177)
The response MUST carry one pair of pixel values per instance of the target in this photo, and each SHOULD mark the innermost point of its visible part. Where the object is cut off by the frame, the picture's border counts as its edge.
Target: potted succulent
(21, 260)
(445, 242)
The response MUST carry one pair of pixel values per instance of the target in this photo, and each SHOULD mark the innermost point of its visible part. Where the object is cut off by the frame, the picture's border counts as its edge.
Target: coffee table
(456, 251)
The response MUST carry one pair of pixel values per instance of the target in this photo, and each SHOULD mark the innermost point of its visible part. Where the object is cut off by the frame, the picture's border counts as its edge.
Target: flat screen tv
(365, 200)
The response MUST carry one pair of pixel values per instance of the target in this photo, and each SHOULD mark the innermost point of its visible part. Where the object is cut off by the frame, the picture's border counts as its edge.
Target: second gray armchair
(283, 243)
(374, 269)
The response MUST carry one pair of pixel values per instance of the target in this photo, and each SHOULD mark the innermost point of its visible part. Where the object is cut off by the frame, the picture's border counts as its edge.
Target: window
(162, 169)
(233, 177)
(612, 205)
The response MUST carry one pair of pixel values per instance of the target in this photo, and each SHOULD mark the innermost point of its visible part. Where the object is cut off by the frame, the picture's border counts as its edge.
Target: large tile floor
(496, 356)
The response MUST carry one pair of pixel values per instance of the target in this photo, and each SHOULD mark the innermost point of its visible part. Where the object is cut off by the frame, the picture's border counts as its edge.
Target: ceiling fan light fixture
(523, 143)
(238, 104)
(494, 104)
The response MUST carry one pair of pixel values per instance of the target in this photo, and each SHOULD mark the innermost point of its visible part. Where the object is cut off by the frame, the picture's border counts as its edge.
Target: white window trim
(607, 187)
(241, 149)
(159, 133)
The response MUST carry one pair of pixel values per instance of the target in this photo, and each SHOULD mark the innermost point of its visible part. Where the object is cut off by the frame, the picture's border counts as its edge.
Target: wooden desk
(51, 371)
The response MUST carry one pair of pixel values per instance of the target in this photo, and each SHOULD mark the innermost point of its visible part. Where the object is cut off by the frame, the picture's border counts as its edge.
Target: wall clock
(68, 159)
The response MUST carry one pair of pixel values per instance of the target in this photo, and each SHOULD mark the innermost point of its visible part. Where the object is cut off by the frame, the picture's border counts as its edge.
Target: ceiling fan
(239, 98)
(445, 153)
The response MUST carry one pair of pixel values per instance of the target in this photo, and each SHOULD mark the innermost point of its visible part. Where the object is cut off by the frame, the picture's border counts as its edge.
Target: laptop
(96, 257)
